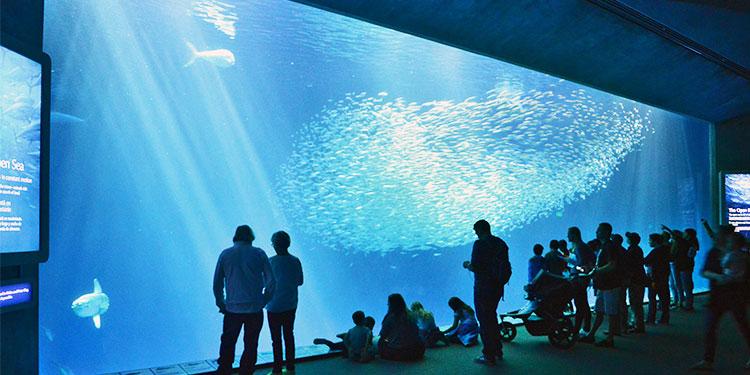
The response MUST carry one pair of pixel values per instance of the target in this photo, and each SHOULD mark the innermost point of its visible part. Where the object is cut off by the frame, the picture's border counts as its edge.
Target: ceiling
(585, 41)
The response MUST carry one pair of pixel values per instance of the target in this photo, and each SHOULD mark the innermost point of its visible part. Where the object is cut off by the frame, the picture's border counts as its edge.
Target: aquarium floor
(663, 350)
(668, 349)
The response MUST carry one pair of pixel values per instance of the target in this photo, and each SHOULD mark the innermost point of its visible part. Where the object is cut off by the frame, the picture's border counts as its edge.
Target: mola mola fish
(92, 305)
(223, 58)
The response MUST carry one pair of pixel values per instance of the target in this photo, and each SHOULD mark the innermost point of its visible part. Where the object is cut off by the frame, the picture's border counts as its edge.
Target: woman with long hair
(399, 336)
(465, 329)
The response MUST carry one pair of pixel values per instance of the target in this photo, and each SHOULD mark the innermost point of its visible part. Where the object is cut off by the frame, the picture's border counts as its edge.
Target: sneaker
(484, 361)
(605, 344)
(583, 333)
(587, 339)
(703, 366)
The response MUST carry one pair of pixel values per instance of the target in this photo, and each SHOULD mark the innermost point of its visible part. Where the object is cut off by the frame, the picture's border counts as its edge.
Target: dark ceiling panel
(572, 39)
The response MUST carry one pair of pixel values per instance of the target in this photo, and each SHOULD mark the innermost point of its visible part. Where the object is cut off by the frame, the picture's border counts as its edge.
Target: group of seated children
(405, 333)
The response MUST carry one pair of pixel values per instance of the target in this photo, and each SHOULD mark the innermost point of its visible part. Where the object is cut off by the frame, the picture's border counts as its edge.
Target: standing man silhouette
(491, 268)
(244, 271)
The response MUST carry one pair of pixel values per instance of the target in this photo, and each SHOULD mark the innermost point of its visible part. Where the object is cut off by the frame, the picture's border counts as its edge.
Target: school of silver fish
(369, 174)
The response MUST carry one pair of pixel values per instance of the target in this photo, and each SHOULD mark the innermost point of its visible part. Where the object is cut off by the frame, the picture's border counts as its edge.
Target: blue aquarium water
(176, 121)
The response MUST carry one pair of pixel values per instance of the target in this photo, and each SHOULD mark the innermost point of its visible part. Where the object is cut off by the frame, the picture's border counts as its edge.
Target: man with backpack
(491, 268)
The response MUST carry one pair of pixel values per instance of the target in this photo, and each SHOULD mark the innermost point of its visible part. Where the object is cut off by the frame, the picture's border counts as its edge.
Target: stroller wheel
(562, 335)
(507, 331)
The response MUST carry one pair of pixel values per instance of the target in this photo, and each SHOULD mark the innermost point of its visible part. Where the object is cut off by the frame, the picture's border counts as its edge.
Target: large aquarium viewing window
(175, 121)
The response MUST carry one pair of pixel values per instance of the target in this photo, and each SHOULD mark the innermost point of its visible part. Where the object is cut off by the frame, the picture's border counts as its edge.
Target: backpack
(504, 268)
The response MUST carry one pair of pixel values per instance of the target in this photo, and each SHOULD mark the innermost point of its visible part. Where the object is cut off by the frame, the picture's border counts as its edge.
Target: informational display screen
(15, 294)
(737, 201)
(24, 142)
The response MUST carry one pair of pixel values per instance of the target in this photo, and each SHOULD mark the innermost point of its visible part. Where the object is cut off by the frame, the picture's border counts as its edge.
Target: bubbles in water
(369, 175)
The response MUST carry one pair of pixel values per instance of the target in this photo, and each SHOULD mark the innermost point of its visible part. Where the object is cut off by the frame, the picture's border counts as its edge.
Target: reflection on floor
(265, 359)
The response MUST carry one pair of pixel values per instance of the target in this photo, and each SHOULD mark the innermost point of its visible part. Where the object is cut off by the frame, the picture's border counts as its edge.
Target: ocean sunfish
(92, 305)
(223, 58)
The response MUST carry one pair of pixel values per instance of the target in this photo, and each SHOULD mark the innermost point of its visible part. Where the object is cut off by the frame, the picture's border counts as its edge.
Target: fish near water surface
(222, 58)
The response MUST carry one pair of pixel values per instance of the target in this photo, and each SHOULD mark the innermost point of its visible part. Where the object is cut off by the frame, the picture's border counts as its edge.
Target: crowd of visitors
(246, 282)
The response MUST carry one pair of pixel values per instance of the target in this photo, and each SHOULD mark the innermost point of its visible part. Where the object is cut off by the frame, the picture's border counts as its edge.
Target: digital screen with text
(737, 195)
(20, 149)
(15, 294)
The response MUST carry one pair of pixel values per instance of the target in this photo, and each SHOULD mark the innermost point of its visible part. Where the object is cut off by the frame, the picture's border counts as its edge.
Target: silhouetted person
(356, 343)
(399, 335)
(583, 260)
(245, 273)
(638, 282)
(465, 329)
(595, 246)
(537, 262)
(726, 268)
(687, 265)
(287, 271)
(666, 235)
(679, 262)
(491, 267)
(607, 282)
(563, 247)
(658, 262)
(624, 270)
(554, 260)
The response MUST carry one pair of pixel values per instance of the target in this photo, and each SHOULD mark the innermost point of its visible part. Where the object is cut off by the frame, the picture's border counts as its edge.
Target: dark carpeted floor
(662, 350)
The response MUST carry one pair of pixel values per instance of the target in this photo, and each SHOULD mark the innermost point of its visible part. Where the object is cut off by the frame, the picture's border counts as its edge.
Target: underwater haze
(175, 121)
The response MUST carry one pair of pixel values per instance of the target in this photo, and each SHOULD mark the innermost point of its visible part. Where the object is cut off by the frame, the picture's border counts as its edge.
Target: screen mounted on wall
(736, 202)
(24, 125)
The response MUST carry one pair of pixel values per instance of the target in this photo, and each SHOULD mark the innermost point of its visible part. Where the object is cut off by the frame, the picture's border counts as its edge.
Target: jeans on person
(583, 309)
(734, 304)
(233, 323)
(687, 286)
(623, 313)
(276, 323)
(486, 299)
(660, 289)
(675, 284)
(635, 297)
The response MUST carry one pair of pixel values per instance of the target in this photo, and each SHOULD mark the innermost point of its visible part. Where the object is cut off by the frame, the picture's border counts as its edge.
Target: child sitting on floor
(465, 329)
(357, 342)
(428, 330)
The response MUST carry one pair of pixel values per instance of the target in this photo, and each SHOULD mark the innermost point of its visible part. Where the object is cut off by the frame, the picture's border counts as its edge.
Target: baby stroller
(549, 295)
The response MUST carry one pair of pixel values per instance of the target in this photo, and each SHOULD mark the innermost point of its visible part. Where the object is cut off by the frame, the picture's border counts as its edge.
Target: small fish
(47, 333)
(222, 58)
